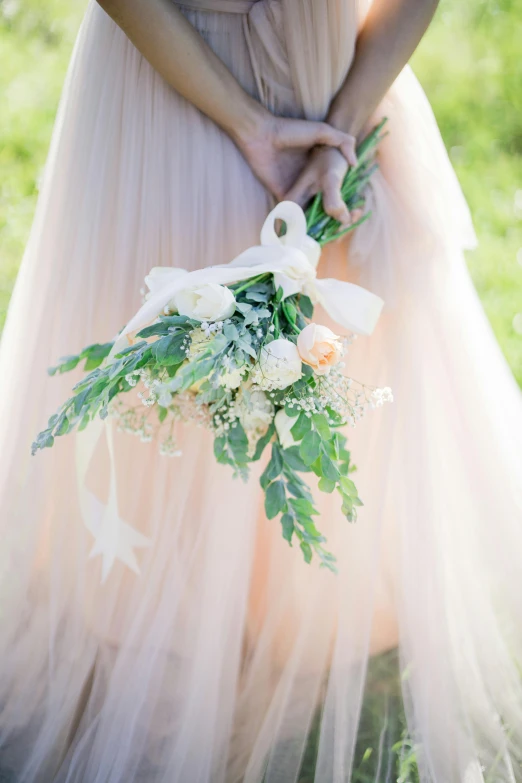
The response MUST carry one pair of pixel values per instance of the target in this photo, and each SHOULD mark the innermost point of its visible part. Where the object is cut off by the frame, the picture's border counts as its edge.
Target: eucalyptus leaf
(306, 306)
(310, 447)
(328, 468)
(320, 423)
(301, 427)
(326, 485)
(293, 459)
(287, 523)
(275, 499)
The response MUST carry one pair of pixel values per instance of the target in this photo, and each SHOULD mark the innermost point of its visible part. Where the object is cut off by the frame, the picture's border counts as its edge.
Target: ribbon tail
(349, 305)
(114, 539)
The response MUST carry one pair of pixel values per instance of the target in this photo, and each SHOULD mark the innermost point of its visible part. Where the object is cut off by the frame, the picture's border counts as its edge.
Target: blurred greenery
(469, 63)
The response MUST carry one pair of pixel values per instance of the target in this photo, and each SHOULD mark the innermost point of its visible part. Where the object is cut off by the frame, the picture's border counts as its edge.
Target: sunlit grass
(469, 64)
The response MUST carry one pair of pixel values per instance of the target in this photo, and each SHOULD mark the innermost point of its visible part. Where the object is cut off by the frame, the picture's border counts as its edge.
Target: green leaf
(301, 427)
(162, 413)
(297, 490)
(161, 328)
(170, 349)
(348, 486)
(275, 499)
(290, 312)
(292, 412)
(63, 427)
(347, 507)
(247, 348)
(67, 363)
(316, 467)
(310, 529)
(287, 522)
(274, 467)
(92, 363)
(326, 485)
(262, 443)
(320, 423)
(84, 422)
(306, 549)
(330, 448)
(292, 458)
(220, 449)
(301, 506)
(328, 468)
(238, 442)
(131, 349)
(79, 401)
(306, 306)
(192, 372)
(230, 332)
(310, 447)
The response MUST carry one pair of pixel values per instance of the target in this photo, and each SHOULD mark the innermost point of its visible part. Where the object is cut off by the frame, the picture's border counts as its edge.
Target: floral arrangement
(234, 348)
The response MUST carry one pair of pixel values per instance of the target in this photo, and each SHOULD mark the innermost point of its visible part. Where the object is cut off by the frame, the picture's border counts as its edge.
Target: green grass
(469, 63)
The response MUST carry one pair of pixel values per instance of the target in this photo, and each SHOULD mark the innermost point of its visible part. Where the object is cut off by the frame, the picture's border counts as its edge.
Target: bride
(228, 659)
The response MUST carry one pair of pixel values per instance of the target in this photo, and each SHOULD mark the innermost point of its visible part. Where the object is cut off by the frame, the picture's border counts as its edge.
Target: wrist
(348, 119)
(248, 123)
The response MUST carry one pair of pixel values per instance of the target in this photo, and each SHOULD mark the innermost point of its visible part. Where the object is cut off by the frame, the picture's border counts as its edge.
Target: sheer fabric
(229, 659)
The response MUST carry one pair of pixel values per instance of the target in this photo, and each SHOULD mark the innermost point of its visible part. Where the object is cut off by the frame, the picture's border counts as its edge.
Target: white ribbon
(114, 539)
(293, 260)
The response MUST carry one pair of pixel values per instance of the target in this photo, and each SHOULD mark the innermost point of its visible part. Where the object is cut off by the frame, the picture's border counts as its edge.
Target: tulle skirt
(228, 659)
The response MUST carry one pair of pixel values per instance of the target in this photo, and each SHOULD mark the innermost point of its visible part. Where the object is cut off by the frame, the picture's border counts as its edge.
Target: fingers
(307, 185)
(332, 200)
(304, 134)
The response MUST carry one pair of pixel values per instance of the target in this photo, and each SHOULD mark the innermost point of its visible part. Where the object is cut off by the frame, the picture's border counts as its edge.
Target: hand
(277, 149)
(324, 173)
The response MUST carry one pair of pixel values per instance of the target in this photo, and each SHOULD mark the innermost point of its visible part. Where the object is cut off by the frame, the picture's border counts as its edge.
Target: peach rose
(319, 347)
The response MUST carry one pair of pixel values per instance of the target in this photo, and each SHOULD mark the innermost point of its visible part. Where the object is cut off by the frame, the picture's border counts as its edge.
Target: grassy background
(469, 63)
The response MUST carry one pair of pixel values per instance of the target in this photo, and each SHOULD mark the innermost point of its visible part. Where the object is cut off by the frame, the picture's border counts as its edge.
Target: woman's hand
(278, 149)
(324, 173)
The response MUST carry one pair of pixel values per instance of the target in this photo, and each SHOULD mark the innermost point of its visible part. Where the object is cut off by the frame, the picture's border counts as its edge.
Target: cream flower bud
(283, 424)
(319, 347)
(207, 302)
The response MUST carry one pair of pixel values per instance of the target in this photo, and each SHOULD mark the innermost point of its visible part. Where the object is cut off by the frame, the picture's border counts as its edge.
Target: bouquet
(234, 348)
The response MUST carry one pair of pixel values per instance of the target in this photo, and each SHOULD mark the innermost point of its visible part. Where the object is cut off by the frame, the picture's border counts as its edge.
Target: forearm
(176, 50)
(389, 36)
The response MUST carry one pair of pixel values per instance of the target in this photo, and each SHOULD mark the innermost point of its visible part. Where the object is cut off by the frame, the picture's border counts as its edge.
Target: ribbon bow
(292, 259)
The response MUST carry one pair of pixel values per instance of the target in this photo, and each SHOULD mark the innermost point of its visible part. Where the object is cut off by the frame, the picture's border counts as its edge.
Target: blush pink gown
(229, 659)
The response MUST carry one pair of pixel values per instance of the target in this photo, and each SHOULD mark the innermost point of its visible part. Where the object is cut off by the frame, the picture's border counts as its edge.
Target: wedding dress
(228, 659)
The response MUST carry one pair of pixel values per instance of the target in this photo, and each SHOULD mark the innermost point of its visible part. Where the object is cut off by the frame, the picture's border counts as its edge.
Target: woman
(229, 659)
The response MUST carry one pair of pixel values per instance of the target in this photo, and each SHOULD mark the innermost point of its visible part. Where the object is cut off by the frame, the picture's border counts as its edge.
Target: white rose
(279, 365)
(255, 411)
(283, 424)
(207, 302)
(319, 347)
